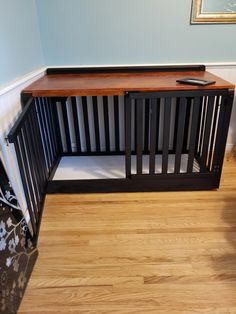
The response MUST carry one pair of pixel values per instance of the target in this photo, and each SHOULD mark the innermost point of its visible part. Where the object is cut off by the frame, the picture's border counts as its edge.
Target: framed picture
(213, 11)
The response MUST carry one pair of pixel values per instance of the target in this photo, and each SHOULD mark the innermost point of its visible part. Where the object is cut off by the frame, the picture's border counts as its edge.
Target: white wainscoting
(10, 108)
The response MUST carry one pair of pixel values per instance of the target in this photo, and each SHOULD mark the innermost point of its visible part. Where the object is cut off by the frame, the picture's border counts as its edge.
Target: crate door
(161, 135)
(36, 147)
(173, 134)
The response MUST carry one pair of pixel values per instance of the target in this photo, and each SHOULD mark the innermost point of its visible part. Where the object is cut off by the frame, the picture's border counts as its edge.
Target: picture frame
(213, 12)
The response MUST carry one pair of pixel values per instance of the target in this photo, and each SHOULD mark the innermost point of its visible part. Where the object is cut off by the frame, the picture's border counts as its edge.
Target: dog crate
(115, 136)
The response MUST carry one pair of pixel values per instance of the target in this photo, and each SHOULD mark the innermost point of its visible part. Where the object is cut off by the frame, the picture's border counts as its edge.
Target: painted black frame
(210, 166)
(35, 154)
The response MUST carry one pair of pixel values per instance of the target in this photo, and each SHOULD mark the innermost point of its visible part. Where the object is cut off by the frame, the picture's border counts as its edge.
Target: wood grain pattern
(137, 253)
(118, 83)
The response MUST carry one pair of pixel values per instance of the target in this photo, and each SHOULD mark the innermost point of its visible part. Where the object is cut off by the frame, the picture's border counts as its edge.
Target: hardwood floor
(137, 253)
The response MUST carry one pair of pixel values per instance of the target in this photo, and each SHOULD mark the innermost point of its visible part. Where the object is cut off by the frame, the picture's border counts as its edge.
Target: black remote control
(194, 81)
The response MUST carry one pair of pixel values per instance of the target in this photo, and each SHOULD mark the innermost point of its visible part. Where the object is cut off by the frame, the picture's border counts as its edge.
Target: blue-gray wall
(97, 32)
(20, 45)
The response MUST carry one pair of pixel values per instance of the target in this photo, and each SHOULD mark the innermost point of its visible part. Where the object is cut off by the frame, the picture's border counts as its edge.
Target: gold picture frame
(198, 16)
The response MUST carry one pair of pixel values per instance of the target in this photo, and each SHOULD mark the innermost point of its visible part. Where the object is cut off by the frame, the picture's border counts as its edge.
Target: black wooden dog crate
(120, 129)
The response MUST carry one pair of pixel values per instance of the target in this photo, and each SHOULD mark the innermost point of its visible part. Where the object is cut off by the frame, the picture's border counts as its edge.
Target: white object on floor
(110, 167)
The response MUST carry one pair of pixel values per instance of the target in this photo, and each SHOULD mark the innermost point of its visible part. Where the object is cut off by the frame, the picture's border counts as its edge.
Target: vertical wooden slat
(202, 130)
(76, 124)
(176, 124)
(166, 134)
(106, 123)
(25, 185)
(139, 125)
(146, 125)
(52, 126)
(37, 152)
(43, 134)
(207, 131)
(27, 173)
(135, 125)
(187, 125)
(86, 124)
(96, 123)
(180, 133)
(213, 131)
(197, 150)
(158, 123)
(57, 125)
(46, 131)
(49, 129)
(29, 147)
(193, 133)
(39, 145)
(66, 126)
(116, 123)
(153, 133)
(127, 108)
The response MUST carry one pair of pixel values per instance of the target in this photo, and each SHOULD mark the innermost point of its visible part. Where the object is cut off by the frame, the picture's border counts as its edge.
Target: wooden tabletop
(119, 83)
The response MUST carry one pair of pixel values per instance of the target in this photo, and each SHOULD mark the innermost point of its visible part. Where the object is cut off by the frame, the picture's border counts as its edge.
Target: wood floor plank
(167, 252)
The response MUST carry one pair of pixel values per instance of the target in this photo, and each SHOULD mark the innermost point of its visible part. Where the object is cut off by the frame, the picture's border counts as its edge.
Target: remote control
(195, 81)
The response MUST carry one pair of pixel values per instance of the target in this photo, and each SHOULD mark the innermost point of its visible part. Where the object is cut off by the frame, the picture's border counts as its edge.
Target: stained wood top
(118, 83)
